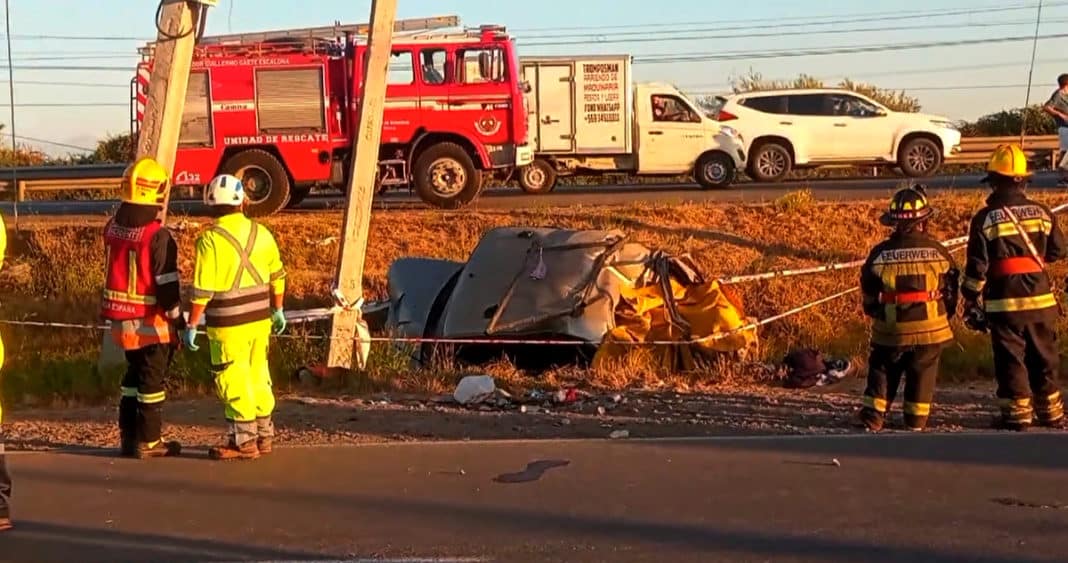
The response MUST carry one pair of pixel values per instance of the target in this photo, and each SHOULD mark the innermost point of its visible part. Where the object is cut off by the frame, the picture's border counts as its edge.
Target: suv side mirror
(880, 112)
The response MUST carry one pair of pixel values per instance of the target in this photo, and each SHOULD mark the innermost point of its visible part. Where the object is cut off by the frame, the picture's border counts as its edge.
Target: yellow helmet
(1009, 161)
(145, 182)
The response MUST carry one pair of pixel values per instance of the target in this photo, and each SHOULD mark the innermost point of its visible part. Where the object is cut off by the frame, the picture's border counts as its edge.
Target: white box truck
(586, 118)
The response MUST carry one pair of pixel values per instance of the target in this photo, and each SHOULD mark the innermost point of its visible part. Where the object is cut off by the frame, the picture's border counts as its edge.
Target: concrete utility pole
(177, 29)
(361, 181)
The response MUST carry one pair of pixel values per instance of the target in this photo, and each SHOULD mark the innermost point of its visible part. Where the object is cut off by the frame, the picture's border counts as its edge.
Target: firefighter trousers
(5, 477)
(1026, 362)
(5, 484)
(887, 365)
(243, 379)
(143, 394)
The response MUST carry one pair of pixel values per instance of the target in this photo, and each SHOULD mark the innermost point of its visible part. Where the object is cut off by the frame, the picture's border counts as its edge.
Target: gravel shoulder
(308, 420)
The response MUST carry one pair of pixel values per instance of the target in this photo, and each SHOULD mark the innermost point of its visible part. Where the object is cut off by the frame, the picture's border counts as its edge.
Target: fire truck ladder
(324, 33)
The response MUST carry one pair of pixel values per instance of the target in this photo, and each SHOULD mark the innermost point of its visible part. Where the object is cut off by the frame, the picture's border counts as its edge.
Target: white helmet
(225, 189)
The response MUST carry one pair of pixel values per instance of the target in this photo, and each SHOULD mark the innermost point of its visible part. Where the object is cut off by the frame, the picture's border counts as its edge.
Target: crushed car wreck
(592, 293)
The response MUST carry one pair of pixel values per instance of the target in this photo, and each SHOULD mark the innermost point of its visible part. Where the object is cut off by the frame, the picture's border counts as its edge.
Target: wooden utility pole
(366, 141)
(177, 30)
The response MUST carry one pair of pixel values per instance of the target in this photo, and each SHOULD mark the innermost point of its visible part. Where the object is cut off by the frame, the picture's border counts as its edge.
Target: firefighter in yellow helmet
(909, 285)
(238, 289)
(142, 302)
(5, 477)
(1008, 292)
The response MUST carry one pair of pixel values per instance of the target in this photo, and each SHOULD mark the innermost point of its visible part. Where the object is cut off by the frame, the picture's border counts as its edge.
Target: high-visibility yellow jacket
(238, 268)
(3, 255)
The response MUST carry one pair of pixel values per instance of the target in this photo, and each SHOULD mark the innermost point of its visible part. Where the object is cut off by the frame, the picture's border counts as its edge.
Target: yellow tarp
(642, 316)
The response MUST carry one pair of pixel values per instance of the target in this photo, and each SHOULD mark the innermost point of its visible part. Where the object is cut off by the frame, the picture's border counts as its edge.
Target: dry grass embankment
(54, 272)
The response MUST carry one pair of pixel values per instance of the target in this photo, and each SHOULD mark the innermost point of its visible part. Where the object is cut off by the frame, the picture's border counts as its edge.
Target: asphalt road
(507, 199)
(981, 498)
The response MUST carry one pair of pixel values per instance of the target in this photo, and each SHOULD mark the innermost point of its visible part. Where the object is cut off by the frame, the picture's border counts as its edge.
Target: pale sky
(720, 38)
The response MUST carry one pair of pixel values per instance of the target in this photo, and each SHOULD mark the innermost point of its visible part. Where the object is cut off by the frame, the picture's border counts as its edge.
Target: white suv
(786, 129)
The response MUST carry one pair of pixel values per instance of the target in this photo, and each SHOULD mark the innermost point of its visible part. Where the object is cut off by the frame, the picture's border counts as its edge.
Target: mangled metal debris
(589, 287)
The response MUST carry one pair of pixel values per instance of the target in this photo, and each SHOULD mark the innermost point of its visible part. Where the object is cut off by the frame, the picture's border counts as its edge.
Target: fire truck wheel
(446, 177)
(265, 179)
(297, 195)
(539, 177)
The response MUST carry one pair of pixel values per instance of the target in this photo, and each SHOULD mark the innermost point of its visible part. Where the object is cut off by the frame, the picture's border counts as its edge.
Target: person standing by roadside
(909, 285)
(1007, 291)
(238, 289)
(5, 477)
(143, 304)
(1057, 106)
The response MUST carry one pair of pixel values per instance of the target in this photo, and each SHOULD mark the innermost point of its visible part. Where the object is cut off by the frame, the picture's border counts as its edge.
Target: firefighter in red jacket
(142, 302)
(1008, 292)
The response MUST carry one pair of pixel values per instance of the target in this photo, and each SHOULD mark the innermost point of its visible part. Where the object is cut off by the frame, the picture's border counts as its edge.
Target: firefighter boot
(158, 449)
(871, 420)
(1016, 415)
(1050, 411)
(231, 451)
(264, 445)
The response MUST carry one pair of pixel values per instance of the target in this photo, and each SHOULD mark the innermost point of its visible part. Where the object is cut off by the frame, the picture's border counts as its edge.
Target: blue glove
(189, 339)
(278, 321)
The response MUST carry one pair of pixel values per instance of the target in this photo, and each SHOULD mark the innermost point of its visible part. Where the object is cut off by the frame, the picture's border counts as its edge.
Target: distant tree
(1008, 122)
(115, 148)
(894, 99)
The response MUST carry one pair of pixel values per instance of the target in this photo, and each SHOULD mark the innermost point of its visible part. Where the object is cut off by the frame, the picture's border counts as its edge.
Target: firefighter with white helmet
(143, 304)
(238, 289)
(1007, 291)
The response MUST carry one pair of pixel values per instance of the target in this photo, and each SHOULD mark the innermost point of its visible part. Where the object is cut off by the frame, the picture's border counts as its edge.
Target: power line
(47, 142)
(757, 23)
(129, 69)
(893, 88)
(674, 36)
(828, 19)
(835, 50)
(71, 84)
(898, 72)
(68, 105)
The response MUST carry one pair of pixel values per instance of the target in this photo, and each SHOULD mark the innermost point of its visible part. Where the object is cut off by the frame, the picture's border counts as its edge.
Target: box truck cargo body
(585, 116)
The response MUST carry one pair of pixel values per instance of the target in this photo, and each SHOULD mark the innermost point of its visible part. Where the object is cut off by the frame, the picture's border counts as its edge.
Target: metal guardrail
(1039, 148)
(974, 150)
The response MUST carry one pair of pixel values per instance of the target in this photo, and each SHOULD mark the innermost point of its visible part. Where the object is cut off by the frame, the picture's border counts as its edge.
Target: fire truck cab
(279, 110)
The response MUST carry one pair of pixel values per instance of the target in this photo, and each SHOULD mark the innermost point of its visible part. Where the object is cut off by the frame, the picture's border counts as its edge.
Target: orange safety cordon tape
(498, 341)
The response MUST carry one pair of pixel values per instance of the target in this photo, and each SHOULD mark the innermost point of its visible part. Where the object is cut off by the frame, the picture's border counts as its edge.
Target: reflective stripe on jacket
(1000, 267)
(909, 287)
(135, 275)
(238, 267)
(130, 286)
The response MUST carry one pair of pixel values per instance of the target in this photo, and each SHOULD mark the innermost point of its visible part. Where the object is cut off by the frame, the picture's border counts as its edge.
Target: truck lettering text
(602, 83)
(277, 139)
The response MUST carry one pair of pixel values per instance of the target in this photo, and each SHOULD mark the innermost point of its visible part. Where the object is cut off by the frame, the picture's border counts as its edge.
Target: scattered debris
(474, 389)
(601, 411)
(806, 367)
(1026, 504)
(836, 463)
(619, 434)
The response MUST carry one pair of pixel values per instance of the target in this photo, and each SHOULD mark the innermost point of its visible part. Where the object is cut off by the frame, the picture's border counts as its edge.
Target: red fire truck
(278, 109)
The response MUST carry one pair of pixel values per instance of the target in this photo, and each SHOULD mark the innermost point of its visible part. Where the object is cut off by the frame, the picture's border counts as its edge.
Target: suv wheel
(770, 162)
(920, 158)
